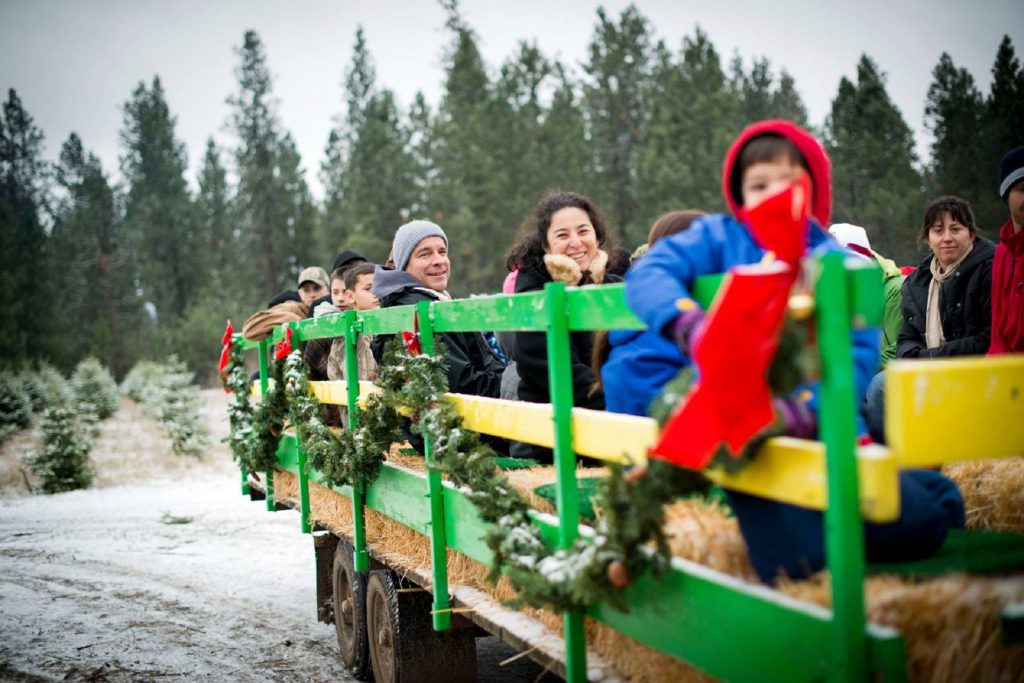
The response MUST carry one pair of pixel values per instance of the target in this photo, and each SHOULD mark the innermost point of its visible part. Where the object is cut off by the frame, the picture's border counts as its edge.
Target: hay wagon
(400, 563)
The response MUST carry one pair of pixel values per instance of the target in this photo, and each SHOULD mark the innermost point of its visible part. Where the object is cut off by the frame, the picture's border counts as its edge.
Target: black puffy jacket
(472, 366)
(965, 307)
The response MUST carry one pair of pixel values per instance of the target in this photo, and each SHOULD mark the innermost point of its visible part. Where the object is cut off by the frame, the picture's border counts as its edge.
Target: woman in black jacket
(561, 243)
(947, 301)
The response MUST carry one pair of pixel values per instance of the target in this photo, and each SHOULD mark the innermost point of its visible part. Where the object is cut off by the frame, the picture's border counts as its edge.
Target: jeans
(874, 408)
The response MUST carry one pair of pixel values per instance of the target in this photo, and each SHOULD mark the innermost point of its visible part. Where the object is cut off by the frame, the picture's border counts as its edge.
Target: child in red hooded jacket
(782, 539)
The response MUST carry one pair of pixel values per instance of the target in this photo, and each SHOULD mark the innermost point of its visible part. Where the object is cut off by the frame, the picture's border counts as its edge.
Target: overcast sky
(75, 63)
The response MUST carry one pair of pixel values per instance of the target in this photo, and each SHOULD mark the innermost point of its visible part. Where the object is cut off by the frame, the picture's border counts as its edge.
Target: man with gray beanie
(1008, 266)
(421, 273)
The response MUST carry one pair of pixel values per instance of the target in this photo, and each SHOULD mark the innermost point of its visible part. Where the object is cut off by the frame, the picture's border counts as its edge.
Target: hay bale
(950, 624)
(993, 492)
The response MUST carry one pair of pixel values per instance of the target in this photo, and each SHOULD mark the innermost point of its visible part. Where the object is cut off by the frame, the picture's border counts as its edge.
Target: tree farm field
(162, 570)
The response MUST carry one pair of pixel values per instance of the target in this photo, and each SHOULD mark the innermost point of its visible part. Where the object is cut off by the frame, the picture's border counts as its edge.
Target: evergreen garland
(595, 569)
(352, 457)
(255, 433)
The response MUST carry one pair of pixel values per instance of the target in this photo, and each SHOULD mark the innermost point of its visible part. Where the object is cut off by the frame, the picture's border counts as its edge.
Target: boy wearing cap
(421, 273)
(1008, 266)
(313, 284)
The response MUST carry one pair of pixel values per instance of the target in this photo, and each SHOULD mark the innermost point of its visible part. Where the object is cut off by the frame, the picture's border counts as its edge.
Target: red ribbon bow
(731, 401)
(284, 347)
(412, 339)
(225, 353)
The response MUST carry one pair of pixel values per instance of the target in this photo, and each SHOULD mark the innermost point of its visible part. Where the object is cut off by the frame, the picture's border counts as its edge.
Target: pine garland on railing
(255, 432)
(351, 457)
(596, 568)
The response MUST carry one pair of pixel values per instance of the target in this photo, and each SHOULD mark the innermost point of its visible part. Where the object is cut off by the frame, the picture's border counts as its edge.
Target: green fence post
(303, 486)
(435, 491)
(360, 558)
(264, 386)
(566, 496)
(844, 533)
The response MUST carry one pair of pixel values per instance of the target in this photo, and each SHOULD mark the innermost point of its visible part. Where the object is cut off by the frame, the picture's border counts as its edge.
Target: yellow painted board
(793, 471)
(516, 420)
(335, 392)
(939, 411)
(787, 470)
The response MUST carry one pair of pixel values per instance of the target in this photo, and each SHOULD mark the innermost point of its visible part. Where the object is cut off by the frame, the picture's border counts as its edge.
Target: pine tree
(219, 243)
(562, 151)
(616, 105)
(693, 118)
(954, 111)
(467, 181)
(875, 184)
(64, 463)
(360, 82)
(94, 387)
(1003, 129)
(272, 209)
(159, 215)
(23, 281)
(371, 171)
(97, 285)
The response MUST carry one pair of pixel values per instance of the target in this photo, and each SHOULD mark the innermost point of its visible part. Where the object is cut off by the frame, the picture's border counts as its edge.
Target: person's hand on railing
(686, 329)
(795, 418)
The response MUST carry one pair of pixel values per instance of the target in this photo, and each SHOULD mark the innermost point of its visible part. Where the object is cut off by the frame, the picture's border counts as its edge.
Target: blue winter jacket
(665, 274)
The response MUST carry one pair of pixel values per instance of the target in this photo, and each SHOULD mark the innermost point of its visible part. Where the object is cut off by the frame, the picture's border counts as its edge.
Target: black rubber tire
(383, 625)
(349, 590)
(404, 648)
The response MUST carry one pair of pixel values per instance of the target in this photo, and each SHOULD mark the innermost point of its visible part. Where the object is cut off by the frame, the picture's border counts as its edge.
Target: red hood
(814, 153)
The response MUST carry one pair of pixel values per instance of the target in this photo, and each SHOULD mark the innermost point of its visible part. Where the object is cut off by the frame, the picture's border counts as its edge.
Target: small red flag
(284, 347)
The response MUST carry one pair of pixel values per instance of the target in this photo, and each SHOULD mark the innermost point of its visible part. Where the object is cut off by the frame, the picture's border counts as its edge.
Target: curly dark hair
(528, 251)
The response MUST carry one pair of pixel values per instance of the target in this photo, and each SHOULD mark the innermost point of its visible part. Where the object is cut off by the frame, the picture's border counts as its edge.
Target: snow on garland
(594, 569)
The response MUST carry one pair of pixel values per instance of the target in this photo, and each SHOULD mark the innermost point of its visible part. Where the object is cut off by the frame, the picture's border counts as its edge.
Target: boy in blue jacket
(782, 539)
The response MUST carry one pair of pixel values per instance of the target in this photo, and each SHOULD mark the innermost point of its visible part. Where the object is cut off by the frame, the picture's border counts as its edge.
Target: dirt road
(164, 571)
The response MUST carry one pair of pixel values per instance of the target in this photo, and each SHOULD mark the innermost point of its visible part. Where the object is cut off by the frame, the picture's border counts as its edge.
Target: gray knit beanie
(411, 234)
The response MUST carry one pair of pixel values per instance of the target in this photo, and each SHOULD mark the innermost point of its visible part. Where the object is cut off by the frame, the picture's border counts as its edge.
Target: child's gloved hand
(685, 329)
(795, 418)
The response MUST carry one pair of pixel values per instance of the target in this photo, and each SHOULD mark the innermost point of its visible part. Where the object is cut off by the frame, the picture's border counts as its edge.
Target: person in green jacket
(855, 238)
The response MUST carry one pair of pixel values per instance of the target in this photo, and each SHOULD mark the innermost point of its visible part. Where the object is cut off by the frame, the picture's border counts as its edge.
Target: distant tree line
(151, 267)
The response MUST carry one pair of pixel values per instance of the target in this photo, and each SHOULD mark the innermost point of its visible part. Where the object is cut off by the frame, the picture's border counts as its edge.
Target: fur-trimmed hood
(562, 268)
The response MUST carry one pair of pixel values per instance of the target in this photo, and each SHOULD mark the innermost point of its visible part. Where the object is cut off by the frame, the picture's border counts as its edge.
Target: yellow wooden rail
(939, 411)
(936, 412)
(787, 470)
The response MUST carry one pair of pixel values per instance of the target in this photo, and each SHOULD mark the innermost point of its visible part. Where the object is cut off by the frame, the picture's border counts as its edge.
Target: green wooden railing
(724, 626)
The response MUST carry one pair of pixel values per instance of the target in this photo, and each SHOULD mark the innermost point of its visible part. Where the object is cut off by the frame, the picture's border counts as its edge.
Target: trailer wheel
(403, 644)
(349, 589)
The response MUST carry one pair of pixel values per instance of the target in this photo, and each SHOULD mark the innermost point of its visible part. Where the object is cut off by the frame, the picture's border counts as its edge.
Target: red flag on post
(284, 347)
(225, 353)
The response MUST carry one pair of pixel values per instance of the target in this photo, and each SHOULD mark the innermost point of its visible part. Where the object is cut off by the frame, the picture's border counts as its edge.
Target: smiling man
(422, 271)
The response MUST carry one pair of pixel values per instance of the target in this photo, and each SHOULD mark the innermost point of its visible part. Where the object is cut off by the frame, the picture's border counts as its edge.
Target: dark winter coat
(472, 366)
(965, 307)
(530, 353)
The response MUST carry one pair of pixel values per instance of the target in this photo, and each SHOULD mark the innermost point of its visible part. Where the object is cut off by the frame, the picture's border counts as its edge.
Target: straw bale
(950, 624)
(993, 492)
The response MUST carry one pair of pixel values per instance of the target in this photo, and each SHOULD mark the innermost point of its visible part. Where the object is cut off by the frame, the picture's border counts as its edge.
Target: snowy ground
(99, 585)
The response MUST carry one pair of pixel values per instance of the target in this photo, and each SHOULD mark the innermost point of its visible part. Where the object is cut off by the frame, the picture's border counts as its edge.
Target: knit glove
(686, 329)
(795, 418)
